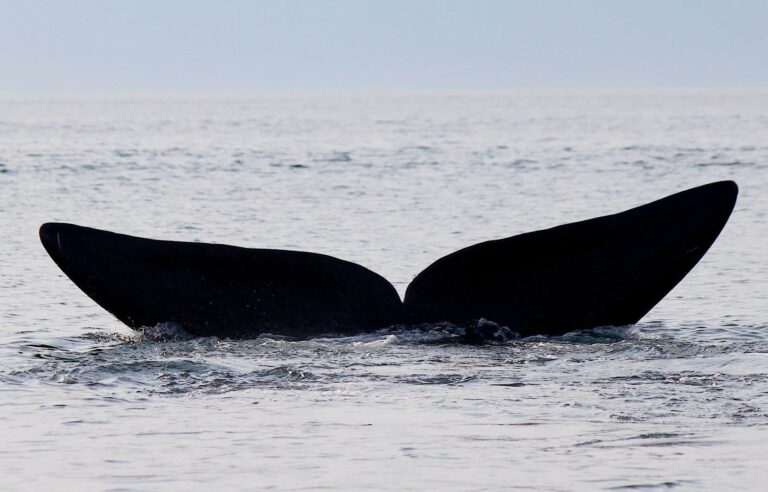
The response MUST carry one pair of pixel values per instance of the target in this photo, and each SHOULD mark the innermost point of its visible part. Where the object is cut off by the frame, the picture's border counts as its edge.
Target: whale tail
(605, 271)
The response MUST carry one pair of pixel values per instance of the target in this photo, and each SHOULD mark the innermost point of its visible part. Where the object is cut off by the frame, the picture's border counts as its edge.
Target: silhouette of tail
(606, 271)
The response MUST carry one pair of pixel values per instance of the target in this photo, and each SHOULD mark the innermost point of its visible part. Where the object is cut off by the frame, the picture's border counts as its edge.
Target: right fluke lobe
(605, 271)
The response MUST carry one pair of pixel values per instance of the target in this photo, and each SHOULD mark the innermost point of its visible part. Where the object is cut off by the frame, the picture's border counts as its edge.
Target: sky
(66, 46)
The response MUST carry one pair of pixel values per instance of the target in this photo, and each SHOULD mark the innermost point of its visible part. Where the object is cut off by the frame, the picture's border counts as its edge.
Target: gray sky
(231, 45)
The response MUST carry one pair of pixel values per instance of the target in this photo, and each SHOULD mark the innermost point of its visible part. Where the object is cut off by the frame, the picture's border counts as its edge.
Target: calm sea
(393, 182)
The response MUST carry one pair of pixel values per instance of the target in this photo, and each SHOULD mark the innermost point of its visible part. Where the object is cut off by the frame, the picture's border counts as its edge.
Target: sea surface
(393, 182)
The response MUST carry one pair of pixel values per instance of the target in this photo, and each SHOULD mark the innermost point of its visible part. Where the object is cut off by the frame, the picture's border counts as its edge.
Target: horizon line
(380, 91)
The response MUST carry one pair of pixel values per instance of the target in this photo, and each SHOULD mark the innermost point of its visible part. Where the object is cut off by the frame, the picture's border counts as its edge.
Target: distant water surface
(392, 182)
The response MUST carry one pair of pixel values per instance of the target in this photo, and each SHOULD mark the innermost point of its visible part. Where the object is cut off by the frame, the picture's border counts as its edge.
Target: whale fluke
(605, 271)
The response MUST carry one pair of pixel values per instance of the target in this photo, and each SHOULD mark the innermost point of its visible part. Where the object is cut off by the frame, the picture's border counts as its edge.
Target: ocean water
(393, 182)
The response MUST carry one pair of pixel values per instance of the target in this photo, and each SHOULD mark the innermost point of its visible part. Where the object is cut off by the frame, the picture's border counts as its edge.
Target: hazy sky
(231, 45)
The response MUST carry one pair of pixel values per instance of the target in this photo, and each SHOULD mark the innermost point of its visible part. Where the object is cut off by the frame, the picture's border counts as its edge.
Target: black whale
(605, 271)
